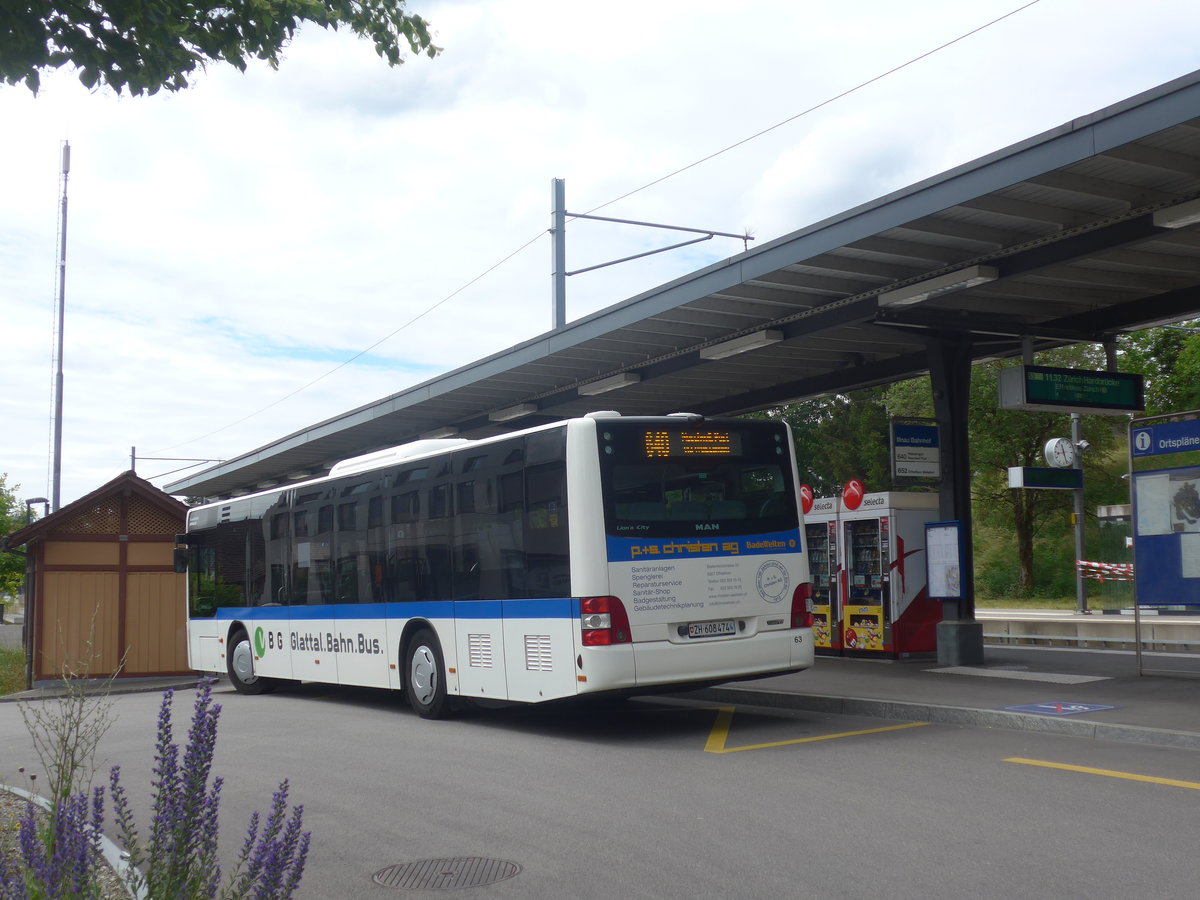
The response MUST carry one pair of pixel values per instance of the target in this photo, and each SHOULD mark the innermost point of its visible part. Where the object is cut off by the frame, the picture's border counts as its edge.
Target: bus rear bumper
(767, 653)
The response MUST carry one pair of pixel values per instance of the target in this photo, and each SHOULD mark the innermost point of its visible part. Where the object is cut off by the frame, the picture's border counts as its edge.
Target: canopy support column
(959, 636)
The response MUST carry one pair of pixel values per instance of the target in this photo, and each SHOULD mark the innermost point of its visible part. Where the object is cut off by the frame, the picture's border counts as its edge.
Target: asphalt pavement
(1085, 693)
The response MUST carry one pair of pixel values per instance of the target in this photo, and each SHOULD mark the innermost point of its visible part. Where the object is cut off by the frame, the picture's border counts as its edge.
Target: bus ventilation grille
(537, 653)
(479, 648)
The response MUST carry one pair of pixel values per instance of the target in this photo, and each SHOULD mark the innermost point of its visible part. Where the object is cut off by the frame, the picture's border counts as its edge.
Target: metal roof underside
(1065, 217)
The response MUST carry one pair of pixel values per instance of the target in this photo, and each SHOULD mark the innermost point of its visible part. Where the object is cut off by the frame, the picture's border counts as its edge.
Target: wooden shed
(102, 595)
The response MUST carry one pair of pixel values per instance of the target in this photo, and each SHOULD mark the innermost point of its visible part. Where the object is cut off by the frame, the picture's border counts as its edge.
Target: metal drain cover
(446, 874)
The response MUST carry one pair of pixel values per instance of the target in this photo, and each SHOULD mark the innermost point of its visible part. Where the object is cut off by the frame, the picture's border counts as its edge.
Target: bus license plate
(711, 629)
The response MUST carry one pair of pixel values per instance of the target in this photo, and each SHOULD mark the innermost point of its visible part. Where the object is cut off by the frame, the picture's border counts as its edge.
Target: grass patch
(12, 670)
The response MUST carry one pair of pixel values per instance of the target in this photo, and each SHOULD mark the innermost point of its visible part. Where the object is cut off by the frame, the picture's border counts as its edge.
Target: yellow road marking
(720, 734)
(1107, 773)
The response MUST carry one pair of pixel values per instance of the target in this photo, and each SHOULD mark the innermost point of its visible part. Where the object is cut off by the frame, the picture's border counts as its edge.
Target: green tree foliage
(1169, 359)
(12, 518)
(847, 436)
(839, 438)
(143, 46)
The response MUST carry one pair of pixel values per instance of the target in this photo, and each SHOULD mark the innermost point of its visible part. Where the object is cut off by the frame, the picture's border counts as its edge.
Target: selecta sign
(853, 492)
(806, 499)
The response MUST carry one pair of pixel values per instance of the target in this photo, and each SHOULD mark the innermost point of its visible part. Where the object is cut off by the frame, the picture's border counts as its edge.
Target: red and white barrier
(1102, 571)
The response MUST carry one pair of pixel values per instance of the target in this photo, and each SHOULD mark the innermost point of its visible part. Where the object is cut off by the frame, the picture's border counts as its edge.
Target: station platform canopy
(1077, 234)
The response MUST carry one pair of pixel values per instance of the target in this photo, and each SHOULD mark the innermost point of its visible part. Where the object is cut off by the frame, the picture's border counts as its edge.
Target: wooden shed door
(79, 634)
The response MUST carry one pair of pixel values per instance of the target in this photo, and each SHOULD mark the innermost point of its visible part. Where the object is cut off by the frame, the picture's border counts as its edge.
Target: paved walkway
(1087, 693)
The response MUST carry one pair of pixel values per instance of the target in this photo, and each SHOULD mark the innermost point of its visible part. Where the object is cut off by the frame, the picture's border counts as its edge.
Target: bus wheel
(425, 681)
(239, 662)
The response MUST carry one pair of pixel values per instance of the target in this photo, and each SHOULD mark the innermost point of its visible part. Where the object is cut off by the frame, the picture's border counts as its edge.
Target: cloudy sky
(232, 244)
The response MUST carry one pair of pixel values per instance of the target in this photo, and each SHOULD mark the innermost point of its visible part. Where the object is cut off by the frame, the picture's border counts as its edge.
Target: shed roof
(125, 482)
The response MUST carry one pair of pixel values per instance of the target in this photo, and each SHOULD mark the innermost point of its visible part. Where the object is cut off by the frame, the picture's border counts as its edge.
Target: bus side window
(321, 558)
(202, 575)
(547, 563)
(353, 578)
(278, 551)
(229, 565)
(509, 532)
(303, 522)
(256, 552)
(401, 540)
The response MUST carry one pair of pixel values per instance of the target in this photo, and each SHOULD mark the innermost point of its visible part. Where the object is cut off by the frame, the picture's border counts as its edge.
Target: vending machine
(821, 534)
(886, 609)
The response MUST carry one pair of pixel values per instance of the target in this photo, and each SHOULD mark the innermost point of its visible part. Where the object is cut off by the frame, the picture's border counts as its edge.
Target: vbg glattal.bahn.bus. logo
(260, 642)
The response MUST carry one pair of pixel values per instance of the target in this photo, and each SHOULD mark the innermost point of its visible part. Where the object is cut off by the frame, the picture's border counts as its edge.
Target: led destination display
(692, 443)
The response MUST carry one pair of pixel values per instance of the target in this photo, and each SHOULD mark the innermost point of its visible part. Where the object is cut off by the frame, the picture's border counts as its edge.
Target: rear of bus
(687, 552)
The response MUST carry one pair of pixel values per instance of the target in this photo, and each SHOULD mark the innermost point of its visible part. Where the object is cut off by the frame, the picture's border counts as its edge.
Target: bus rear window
(678, 482)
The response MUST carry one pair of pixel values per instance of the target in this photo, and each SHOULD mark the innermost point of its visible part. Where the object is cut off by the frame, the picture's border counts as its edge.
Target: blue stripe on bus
(650, 549)
(556, 608)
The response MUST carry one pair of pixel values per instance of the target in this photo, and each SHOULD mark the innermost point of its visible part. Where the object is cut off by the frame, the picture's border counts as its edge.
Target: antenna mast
(62, 301)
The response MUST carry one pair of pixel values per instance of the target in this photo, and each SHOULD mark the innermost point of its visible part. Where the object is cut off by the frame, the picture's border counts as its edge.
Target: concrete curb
(54, 689)
(952, 715)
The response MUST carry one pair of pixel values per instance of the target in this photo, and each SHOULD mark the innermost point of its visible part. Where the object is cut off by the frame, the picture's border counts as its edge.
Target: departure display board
(1047, 389)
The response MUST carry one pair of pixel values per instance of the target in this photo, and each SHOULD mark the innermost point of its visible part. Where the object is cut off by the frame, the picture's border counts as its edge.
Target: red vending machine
(821, 533)
(886, 609)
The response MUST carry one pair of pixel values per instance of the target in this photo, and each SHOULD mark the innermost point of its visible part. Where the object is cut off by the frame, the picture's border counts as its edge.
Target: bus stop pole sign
(915, 448)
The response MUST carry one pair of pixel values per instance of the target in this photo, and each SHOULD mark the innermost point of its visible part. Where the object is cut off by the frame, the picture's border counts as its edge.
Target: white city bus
(599, 554)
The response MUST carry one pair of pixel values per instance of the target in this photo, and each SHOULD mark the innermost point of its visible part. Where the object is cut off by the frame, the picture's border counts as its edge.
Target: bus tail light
(604, 621)
(802, 616)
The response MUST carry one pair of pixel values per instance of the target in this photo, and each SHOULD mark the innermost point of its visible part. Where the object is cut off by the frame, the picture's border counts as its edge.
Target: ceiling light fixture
(612, 383)
(1178, 216)
(942, 284)
(512, 412)
(742, 344)
(448, 431)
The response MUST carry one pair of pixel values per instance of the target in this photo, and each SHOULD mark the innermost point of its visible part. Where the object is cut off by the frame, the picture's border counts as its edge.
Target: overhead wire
(815, 107)
(364, 351)
(840, 96)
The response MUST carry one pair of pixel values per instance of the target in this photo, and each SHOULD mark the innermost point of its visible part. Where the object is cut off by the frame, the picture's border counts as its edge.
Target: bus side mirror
(181, 560)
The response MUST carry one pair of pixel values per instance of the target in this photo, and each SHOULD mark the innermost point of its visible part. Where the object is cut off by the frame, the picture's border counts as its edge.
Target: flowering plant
(59, 852)
(178, 861)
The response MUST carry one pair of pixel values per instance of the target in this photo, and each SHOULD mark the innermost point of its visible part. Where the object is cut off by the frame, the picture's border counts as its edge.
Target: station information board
(1166, 508)
(1049, 389)
(944, 560)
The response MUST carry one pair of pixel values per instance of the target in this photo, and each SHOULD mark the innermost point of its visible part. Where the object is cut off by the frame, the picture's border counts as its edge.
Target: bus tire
(425, 676)
(239, 663)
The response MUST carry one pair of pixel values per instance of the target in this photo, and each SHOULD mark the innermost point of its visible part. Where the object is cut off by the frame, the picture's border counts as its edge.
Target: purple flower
(59, 858)
(181, 857)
